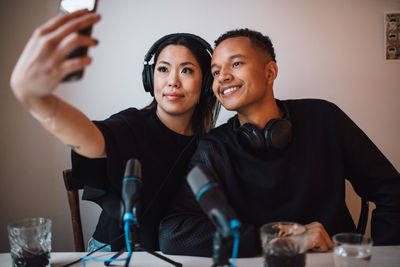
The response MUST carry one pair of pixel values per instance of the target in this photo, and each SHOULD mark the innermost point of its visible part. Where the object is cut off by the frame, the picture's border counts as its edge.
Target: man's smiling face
(240, 73)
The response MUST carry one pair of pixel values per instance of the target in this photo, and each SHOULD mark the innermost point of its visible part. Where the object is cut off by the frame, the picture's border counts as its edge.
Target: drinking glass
(351, 249)
(284, 244)
(30, 242)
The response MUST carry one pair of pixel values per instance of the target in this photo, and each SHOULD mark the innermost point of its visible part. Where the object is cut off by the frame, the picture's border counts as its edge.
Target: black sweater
(304, 184)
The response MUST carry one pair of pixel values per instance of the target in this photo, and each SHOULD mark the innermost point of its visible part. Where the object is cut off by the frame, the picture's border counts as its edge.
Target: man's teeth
(227, 91)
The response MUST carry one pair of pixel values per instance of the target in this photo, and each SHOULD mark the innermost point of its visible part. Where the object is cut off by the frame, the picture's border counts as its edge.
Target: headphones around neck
(275, 136)
(148, 69)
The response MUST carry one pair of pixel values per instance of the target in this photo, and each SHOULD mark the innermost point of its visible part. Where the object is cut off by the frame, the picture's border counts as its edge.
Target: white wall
(325, 49)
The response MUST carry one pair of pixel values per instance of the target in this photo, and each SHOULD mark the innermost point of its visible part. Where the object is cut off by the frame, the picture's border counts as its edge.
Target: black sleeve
(102, 176)
(373, 178)
(186, 230)
(120, 143)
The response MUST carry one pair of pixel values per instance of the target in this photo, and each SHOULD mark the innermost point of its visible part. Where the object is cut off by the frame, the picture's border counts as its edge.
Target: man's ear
(271, 71)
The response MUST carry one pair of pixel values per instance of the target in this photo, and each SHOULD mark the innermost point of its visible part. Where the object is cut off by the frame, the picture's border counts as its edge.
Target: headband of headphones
(281, 105)
(154, 47)
(148, 69)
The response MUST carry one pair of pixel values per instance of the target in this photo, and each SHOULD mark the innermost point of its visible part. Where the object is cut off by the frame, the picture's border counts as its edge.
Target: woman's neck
(180, 123)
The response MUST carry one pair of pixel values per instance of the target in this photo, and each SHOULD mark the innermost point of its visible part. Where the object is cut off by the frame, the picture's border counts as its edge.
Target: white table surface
(381, 257)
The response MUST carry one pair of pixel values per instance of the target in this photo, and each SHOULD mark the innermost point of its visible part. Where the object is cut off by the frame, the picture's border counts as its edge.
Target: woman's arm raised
(42, 65)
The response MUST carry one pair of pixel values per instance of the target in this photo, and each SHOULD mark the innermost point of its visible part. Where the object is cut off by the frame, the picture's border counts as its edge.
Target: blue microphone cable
(92, 252)
(235, 225)
(129, 221)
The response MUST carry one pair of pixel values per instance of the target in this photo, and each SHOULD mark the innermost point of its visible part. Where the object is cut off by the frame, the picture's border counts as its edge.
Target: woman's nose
(173, 79)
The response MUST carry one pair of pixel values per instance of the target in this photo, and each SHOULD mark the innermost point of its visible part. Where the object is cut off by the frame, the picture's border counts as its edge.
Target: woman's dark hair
(206, 111)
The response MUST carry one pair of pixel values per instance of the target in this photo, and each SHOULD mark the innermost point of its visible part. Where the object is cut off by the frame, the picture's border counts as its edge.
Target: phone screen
(69, 6)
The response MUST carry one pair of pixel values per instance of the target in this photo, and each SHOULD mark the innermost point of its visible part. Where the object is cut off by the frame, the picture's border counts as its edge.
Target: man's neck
(260, 115)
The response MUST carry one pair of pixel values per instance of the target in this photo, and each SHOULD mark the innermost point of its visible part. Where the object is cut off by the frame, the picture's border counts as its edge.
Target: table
(387, 256)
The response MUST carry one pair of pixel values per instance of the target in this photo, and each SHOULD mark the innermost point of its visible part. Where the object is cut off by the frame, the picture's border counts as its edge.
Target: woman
(162, 136)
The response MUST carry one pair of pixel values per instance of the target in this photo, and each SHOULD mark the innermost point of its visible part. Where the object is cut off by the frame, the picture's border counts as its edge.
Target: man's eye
(216, 73)
(235, 64)
(187, 70)
(162, 69)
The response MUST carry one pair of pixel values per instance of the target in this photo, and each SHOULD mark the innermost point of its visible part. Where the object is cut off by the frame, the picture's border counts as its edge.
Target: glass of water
(351, 249)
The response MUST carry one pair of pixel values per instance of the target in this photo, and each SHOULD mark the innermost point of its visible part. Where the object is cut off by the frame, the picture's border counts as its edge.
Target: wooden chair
(363, 220)
(72, 187)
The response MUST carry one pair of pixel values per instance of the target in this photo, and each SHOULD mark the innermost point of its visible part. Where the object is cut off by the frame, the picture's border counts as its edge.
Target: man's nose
(224, 76)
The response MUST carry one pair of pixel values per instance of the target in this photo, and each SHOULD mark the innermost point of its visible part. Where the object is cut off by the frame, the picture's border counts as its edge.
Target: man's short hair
(256, 38)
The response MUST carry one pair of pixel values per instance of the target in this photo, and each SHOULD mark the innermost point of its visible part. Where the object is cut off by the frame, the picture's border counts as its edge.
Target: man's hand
(318, 238)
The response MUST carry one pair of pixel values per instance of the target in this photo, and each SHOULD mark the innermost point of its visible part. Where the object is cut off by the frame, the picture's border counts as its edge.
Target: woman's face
(177, 81)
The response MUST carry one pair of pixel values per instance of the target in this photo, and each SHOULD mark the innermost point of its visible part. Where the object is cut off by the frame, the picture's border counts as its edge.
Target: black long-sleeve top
(164, 156)
(306, 183)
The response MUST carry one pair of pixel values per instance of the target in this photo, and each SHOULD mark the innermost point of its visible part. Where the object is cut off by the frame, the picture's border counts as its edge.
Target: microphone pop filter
(197, 179)
(133, 169)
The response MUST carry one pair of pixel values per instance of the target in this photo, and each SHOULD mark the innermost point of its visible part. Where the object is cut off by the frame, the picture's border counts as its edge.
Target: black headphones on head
(274, 137)
(148, 69)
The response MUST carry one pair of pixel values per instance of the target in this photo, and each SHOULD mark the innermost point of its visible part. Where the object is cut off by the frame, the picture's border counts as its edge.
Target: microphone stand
(220, 250)
(136, 244)
(177, 264)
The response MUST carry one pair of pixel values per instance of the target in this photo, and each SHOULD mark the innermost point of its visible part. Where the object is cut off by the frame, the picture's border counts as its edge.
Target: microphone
(213, 202)
(131, 185)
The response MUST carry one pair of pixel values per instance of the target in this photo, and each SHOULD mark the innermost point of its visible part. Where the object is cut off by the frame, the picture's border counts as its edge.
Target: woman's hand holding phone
(43, 64)
(44, 61)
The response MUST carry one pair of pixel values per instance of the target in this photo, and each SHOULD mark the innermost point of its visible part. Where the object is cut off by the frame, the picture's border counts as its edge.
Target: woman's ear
(271, 71)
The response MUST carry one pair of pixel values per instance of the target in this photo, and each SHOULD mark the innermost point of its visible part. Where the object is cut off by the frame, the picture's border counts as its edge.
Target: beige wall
(325, 49)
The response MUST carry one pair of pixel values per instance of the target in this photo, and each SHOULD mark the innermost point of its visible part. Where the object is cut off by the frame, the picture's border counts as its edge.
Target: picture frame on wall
(392, 36)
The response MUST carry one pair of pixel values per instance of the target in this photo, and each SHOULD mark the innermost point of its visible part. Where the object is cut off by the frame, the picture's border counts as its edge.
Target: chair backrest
(72, 187)
(363, 220)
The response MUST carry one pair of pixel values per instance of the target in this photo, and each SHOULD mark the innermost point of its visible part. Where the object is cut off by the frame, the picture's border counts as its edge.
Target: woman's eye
(187, 70)
(162, 69)
(215, 73)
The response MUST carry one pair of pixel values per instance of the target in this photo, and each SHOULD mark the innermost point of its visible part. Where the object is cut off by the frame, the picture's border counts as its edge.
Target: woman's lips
(173, 96)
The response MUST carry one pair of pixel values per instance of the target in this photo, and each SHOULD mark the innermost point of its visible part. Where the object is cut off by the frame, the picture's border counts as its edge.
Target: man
(280, 160)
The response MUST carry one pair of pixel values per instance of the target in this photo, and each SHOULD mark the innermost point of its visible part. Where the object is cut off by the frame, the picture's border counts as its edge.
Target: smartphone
(68, 6)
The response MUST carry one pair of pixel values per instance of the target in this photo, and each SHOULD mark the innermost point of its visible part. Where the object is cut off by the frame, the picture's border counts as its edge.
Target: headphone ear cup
(148, 78)
(277, 134)
(251, 138)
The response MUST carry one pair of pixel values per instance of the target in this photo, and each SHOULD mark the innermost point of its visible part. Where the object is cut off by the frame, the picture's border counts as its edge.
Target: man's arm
(186, 230)
(373, 178)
